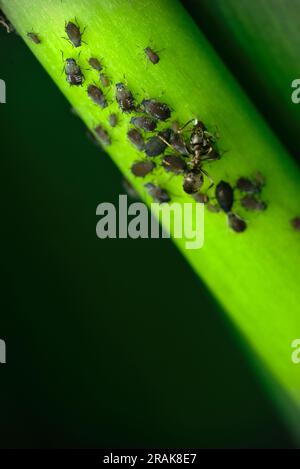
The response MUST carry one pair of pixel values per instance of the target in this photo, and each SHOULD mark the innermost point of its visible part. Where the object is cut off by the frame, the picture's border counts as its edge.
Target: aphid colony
(189, 147)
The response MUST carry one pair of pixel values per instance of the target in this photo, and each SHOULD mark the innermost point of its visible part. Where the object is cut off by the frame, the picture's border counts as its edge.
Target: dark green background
(111, 343)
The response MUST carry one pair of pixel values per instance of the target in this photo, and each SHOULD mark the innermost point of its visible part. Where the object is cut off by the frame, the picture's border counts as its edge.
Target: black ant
(200, 148)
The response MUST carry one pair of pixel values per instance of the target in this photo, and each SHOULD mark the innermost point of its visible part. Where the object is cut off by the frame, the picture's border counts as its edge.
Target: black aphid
(143, 122)
(6, 23)
(152, 56)
(124, 98)
(156, 145)
(94, 63)
(246, 185)
(142, 168)
(34, 37)
(97, 96)
(73, 72)
(224, 196)
(178, 143)
(102, 134)
(174, 163)
(113, 119)
(249, 202)
(155, 109)
(295, 222)
(104, 80)
(74, 34)
(136, 139)
(236, 223)
(159, 195)
(192, 182)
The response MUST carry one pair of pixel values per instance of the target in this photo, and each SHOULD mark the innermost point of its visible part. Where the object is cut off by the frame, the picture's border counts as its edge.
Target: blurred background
(99, 355)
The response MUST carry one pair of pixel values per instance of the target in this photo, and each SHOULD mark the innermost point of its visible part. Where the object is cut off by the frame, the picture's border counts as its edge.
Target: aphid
(97, 96)
(178, 143)
(146, 123)
(130, 189)
(34, 37)
(236, 223)
(102, 135)
(174, 163)
(246, 185)
(124, 98)
(113, 119)
(224, 195)
(156, 145)
(249, 202)
(201, 198)
(152, 56)
(156, 109)
(192, 181)
(104, 80)
(142, 168)
(6, 23)
(73, 33)
(295, 222)
(73, 72)
(159, 195)
(94, 63)
(136, 139)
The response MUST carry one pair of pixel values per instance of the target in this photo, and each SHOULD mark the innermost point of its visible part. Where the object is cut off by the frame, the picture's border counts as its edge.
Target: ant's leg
(185, 125)
(212, 182)
(169, 145)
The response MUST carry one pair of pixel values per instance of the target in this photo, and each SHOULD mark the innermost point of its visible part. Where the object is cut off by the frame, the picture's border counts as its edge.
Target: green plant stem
(255, 275)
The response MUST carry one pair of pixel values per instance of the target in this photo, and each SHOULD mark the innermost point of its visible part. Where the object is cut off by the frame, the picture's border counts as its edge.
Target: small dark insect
(192, 181)
(124, 98)
(94, 63)
(224, 195)
(130, 189)
(152, 56)
(236, 223)
(174, 163)
(201, 198)
(246, 185)
(142, 168)
(295, 222)
(136, 139)
(113, 120)
(155, 145)
(249, 202)
(259, 179)
(73, 33)
(73, 72)
(104, 80)
(178, 143)
(146, 123)
(159, 195)
(156, 109)
(102, 135)
(6, 23)
(97, 96)
(34, 37)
